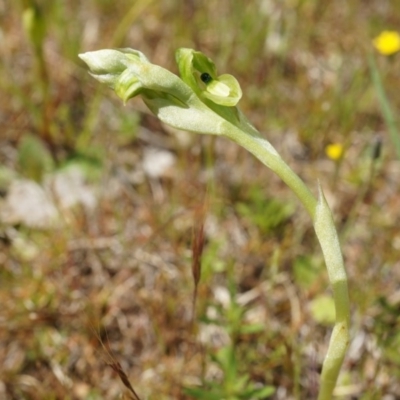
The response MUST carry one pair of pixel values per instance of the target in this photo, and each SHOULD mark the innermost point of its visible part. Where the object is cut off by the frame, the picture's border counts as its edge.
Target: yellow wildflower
(334, 151)
(387, 42)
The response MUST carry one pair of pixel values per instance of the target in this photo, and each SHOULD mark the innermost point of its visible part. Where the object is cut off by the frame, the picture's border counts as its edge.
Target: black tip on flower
(206, 78)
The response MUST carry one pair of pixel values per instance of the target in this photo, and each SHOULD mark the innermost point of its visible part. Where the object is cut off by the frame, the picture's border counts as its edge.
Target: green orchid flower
(200, 73)
(129, 73)
(175, 101)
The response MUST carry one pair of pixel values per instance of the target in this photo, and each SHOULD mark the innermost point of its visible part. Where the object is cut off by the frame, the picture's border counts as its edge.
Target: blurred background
(105, 212)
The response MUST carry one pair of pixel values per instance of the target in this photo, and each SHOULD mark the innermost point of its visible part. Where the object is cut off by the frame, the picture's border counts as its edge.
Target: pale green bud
(114, 68)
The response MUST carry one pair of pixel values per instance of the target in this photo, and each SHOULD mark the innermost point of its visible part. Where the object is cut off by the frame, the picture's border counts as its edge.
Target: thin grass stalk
(387, 112)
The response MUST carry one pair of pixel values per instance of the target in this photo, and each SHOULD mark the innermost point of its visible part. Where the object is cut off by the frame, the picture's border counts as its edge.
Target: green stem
(264, 151)
(328, 238)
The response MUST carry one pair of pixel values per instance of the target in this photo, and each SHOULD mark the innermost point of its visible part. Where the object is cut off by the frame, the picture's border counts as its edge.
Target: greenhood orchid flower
(194, 103)
(204, 102)
(199, 72)
(177, 102)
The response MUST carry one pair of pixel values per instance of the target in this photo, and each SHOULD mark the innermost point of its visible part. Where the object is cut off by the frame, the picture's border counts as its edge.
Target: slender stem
(264, 151)
(328, 238)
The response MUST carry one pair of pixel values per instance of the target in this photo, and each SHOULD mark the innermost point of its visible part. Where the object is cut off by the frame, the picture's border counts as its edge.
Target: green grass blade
(387, 112)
